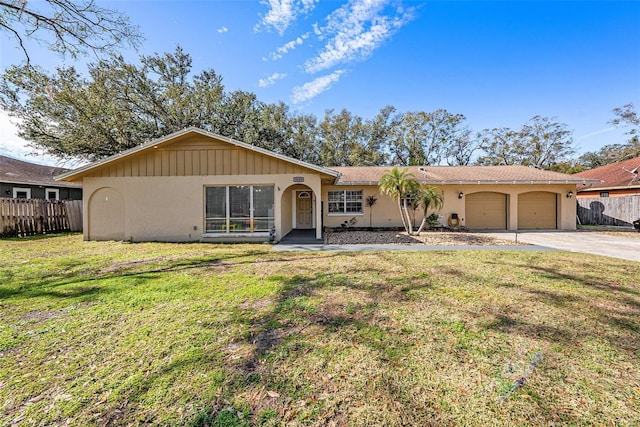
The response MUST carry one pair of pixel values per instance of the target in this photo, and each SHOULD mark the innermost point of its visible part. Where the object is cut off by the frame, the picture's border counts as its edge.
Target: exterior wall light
(569, 194)
(460, 195)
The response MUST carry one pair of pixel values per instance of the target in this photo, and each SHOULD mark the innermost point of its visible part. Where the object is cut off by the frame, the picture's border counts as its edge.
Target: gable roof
(166, 140)
(615, 175)
(370, 175)
(16, 171)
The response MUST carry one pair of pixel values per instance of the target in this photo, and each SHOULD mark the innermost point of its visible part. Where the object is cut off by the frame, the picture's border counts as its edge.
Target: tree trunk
(422, 224)
(407, 222)
(404, 221)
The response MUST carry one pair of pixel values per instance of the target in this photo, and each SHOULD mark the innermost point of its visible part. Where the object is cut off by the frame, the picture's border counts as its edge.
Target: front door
(304, 210)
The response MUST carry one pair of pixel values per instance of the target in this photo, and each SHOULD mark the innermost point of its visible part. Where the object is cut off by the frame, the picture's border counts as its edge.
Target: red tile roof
(618, 174)
(459, 175)
(19, 172)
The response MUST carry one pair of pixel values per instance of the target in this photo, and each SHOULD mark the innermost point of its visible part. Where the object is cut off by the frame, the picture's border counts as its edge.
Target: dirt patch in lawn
(42, 316)
(431, 238)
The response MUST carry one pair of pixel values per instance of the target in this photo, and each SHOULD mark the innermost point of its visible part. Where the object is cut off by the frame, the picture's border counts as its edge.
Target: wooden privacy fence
(27, 217)
(620, 211)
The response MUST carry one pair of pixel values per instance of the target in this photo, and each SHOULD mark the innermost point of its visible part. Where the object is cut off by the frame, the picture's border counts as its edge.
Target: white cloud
(14, 146)
(271, 79)
(283, 13)
(598, 132)
(355, 31)
(289, 46)
(223, 30)
(315, 87)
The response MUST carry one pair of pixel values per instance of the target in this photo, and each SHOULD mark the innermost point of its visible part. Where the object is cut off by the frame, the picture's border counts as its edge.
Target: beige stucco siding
(197, 155)
(172, 208)
(385, 211)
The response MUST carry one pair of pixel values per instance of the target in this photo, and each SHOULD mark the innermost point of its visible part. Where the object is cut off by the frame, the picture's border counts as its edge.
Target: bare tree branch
(69, 27)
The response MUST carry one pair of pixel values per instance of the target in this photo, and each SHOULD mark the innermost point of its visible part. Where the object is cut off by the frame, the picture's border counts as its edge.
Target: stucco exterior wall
(385, 212)
(614, 192)
(172, 208)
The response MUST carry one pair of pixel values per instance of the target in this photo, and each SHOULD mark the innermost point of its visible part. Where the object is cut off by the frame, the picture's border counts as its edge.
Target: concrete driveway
(580, 241)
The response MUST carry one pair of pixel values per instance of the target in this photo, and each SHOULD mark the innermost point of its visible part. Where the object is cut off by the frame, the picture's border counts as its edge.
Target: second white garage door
(537, 210)
(486, 211)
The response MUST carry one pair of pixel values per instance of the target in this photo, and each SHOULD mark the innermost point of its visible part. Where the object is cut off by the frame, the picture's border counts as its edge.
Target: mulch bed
(431, 238)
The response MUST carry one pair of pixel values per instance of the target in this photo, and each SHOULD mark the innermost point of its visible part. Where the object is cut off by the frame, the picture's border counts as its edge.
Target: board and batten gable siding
(197, 156)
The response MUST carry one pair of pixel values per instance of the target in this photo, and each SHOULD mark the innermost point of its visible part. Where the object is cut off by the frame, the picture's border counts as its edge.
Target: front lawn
(108, 333)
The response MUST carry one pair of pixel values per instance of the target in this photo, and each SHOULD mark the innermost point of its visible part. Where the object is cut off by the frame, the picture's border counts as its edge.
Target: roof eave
(476, 182)
(612, 187)
(44, 184)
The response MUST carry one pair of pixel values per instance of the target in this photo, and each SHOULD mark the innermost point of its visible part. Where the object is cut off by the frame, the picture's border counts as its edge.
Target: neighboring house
(615, 180)
(24, 180)
(613, 198)
(197, 186)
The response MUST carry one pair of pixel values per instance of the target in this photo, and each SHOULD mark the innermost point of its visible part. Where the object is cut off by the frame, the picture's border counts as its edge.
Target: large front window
(345, 201)
(239, 209)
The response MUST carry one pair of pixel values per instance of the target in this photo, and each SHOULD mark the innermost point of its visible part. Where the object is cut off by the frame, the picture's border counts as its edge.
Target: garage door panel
(486, 211)
(537, 210)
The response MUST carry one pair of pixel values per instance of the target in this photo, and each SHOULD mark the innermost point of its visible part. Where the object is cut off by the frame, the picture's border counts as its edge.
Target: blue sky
(498, 63)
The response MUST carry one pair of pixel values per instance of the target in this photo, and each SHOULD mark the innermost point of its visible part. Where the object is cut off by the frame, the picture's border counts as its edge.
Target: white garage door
(537, 211)
(486, 211)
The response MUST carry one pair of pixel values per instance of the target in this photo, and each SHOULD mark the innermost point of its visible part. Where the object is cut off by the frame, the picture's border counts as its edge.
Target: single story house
(615, 180)
(25, 180)
(612, 194)
(194, 185)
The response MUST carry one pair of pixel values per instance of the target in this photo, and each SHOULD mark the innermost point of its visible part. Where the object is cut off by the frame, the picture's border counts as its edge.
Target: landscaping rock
(431, 238)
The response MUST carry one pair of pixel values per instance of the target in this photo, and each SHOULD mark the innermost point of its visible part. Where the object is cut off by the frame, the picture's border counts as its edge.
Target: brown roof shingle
(459, 175)
(20, 172)
(614, 175)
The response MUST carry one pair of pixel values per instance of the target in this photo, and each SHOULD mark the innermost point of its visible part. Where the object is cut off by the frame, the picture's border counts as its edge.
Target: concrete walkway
(580, 241)
(573, 241)
(280, 247)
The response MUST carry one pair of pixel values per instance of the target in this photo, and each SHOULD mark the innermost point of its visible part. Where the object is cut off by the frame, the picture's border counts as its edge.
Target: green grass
(108, 333)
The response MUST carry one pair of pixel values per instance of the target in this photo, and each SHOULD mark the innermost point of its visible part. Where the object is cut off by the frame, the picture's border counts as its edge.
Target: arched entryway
(106, 215)
(301, 209)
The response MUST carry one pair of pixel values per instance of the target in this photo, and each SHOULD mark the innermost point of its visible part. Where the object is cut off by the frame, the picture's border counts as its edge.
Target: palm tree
(429, 197)
(397, 183)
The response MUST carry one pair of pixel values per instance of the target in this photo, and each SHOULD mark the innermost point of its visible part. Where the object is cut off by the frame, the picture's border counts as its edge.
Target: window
(604, 194)
(21, 193)
(345, 201)
(52, 194)
(239, 209)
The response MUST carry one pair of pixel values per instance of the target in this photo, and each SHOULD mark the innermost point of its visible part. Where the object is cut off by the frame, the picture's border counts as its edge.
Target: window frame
(16, 190)
(344, 202)
(230, 222)
(52, 190)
